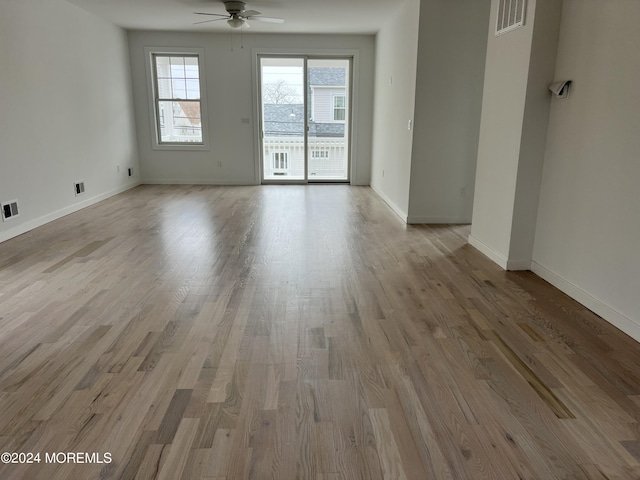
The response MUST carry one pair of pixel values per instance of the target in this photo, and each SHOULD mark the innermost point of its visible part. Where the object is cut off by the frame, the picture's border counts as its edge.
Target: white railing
(330, 161)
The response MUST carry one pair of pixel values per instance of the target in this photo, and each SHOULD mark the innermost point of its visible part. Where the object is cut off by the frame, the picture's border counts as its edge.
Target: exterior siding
(323, 103)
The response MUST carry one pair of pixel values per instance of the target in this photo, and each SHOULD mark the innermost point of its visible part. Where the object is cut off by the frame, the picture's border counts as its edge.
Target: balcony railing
(327, 157)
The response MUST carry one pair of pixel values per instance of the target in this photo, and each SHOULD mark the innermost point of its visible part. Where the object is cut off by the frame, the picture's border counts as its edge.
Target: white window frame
(274, 161)
(320, 154)
(343, 108)
(156, 144)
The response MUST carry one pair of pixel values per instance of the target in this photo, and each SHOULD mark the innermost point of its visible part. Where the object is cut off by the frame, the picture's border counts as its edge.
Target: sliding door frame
(347, 54)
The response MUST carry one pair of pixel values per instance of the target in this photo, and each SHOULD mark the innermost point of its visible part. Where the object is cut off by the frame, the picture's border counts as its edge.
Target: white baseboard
(195, 181)
(610, 314)
(397, 210)
(513, 265)
(488, 252)
(417, 219)
(501, 260)
(50, 217)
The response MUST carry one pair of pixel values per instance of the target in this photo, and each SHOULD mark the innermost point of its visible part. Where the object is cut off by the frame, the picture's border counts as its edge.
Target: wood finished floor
(298, 333)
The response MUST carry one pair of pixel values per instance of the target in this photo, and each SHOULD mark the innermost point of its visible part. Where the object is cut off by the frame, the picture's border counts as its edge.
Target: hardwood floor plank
(221, 451)
(298, 332)
(179, 449)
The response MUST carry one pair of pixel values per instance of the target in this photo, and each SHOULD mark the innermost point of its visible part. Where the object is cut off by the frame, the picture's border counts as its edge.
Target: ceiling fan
(237, 16)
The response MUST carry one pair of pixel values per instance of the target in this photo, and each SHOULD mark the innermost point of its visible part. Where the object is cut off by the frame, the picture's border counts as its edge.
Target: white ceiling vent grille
(510, 15)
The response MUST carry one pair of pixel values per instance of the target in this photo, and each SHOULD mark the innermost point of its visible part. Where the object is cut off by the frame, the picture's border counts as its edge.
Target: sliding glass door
(305, 119)
(328, 101)
(283, 119)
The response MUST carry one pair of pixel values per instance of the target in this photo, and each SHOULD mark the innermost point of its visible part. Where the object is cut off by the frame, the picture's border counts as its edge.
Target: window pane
(339, 108)
(280, 161)
(164, 88)
(162, 66)
(179, 88)
(193, 89)
(191, 67)
(180, 122)
(177, 67)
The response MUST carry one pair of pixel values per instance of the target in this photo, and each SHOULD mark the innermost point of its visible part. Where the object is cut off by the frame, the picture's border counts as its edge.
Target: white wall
(542, 62)
(395, 87)
(229, 89)
(513, 126)
(451, 58)
(66, 110)
(505, 86)
(588, 226)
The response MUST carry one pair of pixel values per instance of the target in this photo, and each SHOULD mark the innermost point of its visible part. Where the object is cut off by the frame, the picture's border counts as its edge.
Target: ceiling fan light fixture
(237, 16)
(235, 22)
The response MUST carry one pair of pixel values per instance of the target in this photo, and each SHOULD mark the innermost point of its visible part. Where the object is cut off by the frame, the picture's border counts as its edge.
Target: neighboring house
(328, 97)
(184, 123)
(284, 127)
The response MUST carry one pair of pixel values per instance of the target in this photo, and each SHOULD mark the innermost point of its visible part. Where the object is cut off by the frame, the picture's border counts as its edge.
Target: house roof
(191, 111)
(327, 76)
(278, 122)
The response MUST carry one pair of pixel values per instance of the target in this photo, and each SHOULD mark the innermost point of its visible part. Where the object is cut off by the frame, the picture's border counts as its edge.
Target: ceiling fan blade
(249, 13)
(266, 19)
(213, 14)
(209, 21)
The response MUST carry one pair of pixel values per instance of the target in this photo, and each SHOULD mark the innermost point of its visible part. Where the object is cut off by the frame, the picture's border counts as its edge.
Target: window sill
(198, 147)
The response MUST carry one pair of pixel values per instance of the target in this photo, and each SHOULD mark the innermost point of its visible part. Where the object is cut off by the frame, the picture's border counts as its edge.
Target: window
(319, 153)
(339, 108)
(178, 100)
(280, 160)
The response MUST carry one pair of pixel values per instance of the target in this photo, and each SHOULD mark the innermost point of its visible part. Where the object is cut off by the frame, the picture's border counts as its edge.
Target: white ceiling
(301, 16)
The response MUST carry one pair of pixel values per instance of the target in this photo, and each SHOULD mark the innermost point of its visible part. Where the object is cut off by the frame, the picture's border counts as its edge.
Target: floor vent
(79, 188)
(510, 15)
(10, 210)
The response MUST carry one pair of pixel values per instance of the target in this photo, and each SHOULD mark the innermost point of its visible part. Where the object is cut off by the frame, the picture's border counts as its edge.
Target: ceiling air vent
(510, 15)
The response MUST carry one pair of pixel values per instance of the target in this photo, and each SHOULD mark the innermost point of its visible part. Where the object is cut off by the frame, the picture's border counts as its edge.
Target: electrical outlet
(10, 210)
(463, 191)
(78, 188)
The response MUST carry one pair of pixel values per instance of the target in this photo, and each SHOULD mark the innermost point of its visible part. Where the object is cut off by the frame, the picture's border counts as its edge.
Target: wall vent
(510, 15)
(78, 188)
(10, 210)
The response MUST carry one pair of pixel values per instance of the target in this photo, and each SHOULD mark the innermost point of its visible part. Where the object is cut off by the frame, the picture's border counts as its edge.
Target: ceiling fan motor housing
(234, 8)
